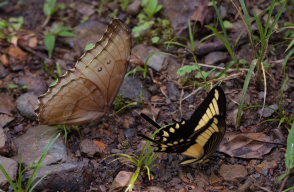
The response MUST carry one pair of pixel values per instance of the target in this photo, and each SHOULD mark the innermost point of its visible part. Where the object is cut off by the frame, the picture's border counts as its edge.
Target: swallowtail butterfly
(198, 137)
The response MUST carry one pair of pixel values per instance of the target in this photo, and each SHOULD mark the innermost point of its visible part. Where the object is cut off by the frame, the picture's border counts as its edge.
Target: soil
(252, 154)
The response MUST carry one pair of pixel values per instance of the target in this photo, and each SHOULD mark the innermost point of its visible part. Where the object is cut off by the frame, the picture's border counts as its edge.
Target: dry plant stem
(233, 76)
(46, 21)
(283, 183)
(40, 55)
(265, 90)
(217, 67)
(181, 99)
(244, 21)
(194, 92)
(263, 188)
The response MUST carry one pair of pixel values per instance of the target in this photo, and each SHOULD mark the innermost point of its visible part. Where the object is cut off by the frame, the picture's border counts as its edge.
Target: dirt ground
(251, 156)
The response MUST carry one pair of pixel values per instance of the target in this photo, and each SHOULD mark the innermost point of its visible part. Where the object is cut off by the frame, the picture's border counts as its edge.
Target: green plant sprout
(101, 6)
(151, 7)
(89, 46)
(146, 21)
(260, 44)
(50, 8)
(9, 29)
(31, 184)
(192, 49)
(143, 162)
(55, 31)
(65, 130)
(15, 86)
(124, 4)
(289, 159)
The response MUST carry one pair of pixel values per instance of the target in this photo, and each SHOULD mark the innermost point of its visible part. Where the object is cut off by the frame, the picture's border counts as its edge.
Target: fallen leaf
(202, 12)
(246, 145)
(16, 52)
(151, 112)
(4, 60)
(33, 42)
(101, 145)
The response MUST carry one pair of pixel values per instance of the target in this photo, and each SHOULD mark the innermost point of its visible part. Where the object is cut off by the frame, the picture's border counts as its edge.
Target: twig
(217, 67)
(40, 55)
(195, 91)
(233, 76)
(263, 188)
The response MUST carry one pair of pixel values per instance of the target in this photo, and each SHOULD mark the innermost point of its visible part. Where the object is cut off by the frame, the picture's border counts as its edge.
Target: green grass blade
(42, 158)
(9, 179)
(290, 149)
(244, 90)
(222, 39)
(221, 22)
(191, 37)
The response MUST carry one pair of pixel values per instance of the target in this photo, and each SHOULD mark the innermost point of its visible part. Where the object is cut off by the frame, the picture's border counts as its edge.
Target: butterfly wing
(86, 92)
(198, 137)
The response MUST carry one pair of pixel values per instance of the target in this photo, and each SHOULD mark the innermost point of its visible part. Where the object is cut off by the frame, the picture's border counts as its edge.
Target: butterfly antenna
(147, 138)
(147, 118)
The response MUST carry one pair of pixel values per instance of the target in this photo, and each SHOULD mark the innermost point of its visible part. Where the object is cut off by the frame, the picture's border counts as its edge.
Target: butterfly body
(86, 92)
(198, 137)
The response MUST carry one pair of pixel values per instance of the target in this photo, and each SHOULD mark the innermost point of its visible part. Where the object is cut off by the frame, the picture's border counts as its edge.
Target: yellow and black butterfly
(197, 137)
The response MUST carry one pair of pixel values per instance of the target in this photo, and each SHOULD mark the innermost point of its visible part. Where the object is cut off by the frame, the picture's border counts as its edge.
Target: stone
(26, 104)
(265, 166)
(143, 52)
(88, 147)
(5, 119)
(7, 147)
(155, 189)
(215, 57)
(134, 7)
(267, 112)
(69, 176)
(31, 145)
(179, 12)
(233, 172)
(10, 166)
(121, 180)
(88, 32)
(173, 91)
(132, 88)
(34, 83)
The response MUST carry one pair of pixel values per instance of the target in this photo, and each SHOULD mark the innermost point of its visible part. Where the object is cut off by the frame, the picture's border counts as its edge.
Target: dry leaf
(151, 112)
(101, 145)
(4, 60)
(33, 42)
(201, 12)
(246, 145)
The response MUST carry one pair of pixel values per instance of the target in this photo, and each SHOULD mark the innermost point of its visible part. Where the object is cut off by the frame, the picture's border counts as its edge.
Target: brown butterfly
(86, 92)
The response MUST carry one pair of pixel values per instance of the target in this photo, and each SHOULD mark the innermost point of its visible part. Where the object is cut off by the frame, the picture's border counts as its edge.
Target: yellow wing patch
(198, 137)
(211, 111)
(205, 136)
(172, 130)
